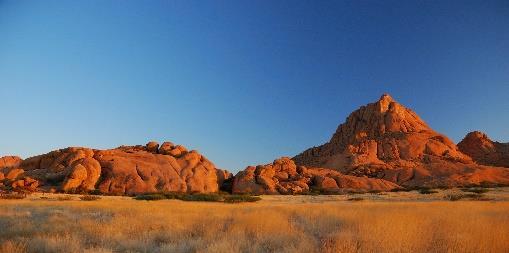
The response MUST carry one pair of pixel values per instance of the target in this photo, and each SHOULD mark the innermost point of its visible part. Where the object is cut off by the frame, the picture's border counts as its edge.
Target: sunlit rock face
(123, 170)
(386, 140)
(284, 177)
(485, 151)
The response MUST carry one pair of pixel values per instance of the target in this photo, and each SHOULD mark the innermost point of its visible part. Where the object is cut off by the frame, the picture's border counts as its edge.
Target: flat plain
(371, 222)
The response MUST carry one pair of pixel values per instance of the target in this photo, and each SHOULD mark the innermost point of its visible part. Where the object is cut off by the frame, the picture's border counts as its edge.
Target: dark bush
(472, 196)
(355, 199)
(401, 190)
(90, 197)
(427, 191)
(155, 196)
(202, 197)
(199, 197)
(476, 190)
(95, 192)
(241, 198)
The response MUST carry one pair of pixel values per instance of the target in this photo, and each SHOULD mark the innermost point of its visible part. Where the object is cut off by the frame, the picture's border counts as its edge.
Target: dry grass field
(275, 224)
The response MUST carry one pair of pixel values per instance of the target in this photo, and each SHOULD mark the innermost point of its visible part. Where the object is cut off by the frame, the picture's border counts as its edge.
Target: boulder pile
(123, 170)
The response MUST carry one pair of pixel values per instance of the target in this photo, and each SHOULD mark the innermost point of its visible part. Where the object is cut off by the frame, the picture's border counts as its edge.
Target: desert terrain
(254, 126)
(385, 182)
(451, 220)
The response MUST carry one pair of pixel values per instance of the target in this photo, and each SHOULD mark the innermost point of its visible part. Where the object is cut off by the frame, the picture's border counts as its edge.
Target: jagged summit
(384, 101)
(376, 123)
(377, 119)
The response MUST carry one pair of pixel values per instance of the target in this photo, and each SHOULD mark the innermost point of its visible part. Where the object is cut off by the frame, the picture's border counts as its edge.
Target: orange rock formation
(388, 141)
(485, 151)
(124, 170)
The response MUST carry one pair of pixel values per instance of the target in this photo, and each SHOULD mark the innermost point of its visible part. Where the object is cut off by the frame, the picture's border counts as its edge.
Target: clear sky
(243, 82)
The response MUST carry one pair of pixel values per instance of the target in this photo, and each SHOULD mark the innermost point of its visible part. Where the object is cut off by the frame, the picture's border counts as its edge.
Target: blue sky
(243, 82)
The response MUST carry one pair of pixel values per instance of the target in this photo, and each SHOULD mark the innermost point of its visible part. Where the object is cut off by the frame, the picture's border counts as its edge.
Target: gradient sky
(243, 82)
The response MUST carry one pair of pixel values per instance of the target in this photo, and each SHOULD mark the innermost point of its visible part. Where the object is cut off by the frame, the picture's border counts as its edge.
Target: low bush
(241, 198)
(401, 190)
(454, 197)
(427, 191)
(13, 195)
(355, 199)
(476, 190)
(199, 197)
(95, 192)
(459, 196)
(313, 192)
(89, 197)
(150, 197)
(64, 198)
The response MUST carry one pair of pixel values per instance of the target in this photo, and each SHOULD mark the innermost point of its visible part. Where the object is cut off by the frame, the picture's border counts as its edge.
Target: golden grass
(125, 225)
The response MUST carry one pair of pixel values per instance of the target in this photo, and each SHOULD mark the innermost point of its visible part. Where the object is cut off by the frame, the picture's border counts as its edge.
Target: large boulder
(130, 171)
(166, 147)
(152, 147)
(83, 175)
(386, 140)
(284, 177)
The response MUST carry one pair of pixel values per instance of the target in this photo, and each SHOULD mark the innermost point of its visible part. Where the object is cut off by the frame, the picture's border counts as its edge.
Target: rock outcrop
(381, 146)
(9, 162)
(129, 170)
(123, 170)
(388, 141)
(485, 151)
(284, 177)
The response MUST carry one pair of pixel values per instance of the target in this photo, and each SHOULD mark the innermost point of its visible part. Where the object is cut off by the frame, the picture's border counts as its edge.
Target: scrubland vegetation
(226, 198)
(275, 224)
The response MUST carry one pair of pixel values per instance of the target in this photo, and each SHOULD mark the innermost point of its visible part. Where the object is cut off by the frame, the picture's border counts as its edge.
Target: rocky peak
(485, 151)
(380, 137)
(478, 139)
(384, 102)
(375, 120)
